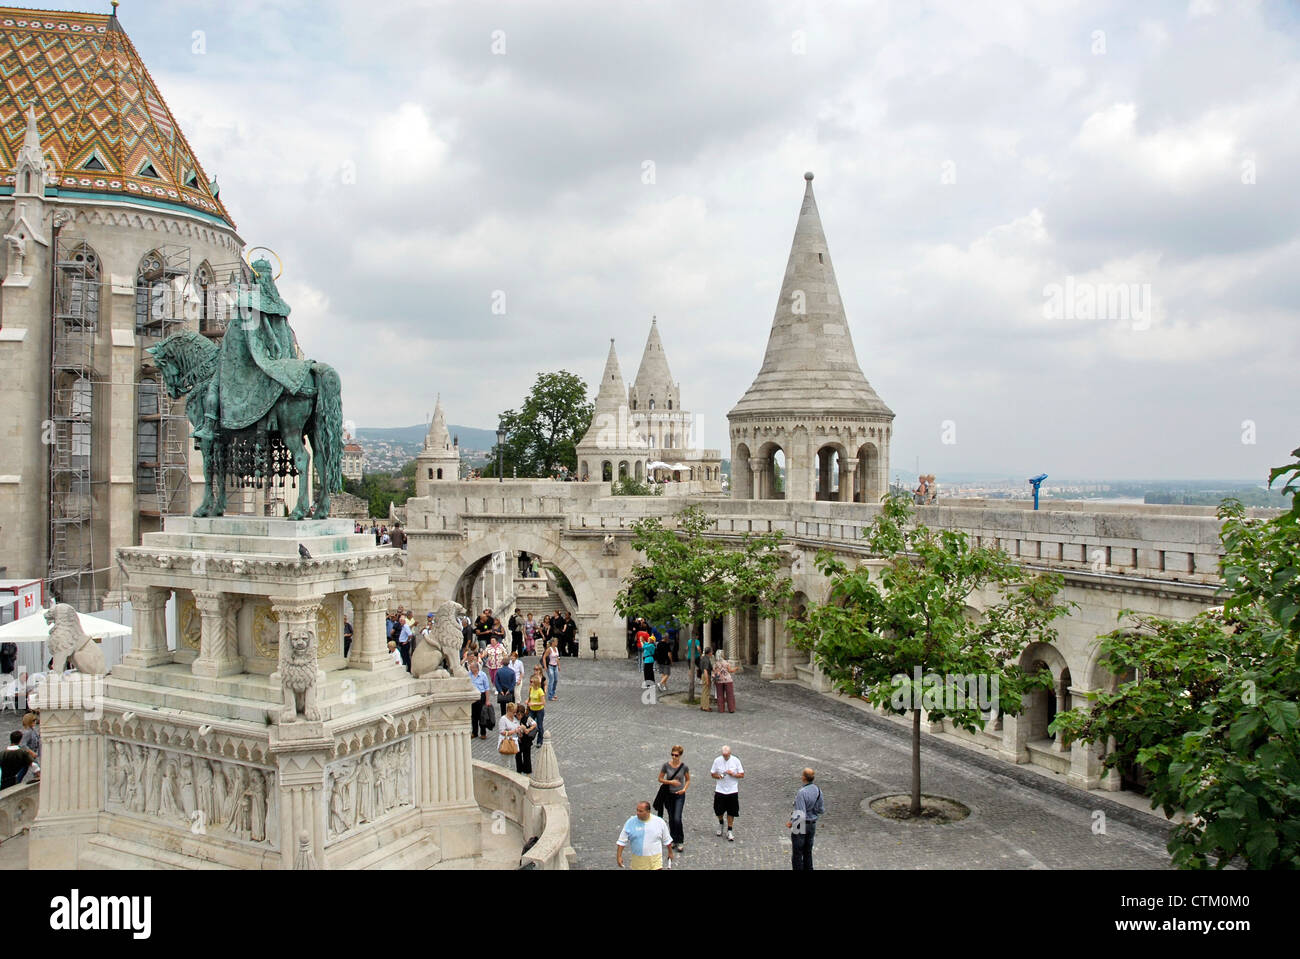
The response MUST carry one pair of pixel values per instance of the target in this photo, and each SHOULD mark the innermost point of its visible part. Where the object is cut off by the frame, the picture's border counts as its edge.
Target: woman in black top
(674, 780)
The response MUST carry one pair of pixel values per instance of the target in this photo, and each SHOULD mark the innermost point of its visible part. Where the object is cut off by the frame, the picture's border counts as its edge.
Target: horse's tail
(327, 436)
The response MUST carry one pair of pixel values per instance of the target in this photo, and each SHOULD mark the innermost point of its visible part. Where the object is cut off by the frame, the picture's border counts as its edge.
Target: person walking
(726, 683)
(508, 734)
(530, 635)
(705, 668)
(664, 659)
(402, 633)
(479, 680)
(552, 669)
(648, 836)
(527, 730)
(503, 683)
(516, 627)
(537, 707)
(728, 772)
(674, 780)
(647, 661)
(808, 808)
(31, 740)
(494, 657)
(516, 666)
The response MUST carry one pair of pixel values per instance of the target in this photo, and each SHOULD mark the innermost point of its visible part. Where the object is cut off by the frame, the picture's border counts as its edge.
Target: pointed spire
(653, 378)
(612, 393)
(438, 438)
(810, 363)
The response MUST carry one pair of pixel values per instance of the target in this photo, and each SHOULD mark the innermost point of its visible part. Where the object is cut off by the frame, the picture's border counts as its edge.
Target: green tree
(630, 486)
(1207, 707)
(543, 434)
(693, 577)
(904, 639)
(379, 490)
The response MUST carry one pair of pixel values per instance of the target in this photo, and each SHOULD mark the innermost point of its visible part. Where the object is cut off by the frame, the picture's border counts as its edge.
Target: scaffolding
(165, 299)
(71, 571)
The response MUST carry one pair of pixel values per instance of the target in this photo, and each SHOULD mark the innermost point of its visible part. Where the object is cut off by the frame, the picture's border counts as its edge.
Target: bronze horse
(188, 361)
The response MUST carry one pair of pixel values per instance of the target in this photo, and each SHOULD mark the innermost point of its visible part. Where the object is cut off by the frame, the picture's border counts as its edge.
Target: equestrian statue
(254, 403)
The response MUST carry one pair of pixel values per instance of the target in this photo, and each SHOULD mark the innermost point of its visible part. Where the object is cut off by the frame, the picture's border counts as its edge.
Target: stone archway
(742, 480)
(480, 551)
(832, 479)
(771, 472)
(1042, 705)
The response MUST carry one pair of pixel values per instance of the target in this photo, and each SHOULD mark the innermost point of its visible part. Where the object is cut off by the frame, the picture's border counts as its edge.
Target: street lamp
(501, 442)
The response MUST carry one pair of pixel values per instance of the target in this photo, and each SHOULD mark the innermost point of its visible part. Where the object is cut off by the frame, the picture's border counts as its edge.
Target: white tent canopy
(34, 629)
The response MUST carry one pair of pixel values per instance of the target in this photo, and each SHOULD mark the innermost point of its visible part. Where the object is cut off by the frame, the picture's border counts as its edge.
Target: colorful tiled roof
(104, 126)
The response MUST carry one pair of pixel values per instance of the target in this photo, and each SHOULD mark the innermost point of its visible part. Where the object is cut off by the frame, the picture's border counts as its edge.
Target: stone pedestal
(256, 732)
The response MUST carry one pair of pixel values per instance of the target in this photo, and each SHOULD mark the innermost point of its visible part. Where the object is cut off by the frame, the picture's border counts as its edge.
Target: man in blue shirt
(479, 680)
(808, 808)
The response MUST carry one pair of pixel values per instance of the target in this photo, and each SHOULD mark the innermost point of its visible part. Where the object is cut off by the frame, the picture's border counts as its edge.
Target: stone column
(218, 647)
(1085, 758)
(848, 470)
(767, 630)
(149, 640)
(300, 780)
(708, 634)
(730, 640)
(72, 760)
(759, 479)
(369, 644)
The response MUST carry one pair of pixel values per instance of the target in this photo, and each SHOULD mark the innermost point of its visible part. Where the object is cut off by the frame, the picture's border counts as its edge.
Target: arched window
(148, 397)
(150, 284)
(440, 472)
(670, 404)
(431, 473)
(652, 403)
(205, 287)
(78, 299)
(634, 403)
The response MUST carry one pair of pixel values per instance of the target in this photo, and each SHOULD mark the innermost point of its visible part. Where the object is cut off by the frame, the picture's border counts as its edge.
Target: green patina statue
(253, 402)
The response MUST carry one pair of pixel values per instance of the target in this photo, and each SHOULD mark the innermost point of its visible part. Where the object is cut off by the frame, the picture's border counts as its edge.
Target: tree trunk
(690, 665)
(916, 764)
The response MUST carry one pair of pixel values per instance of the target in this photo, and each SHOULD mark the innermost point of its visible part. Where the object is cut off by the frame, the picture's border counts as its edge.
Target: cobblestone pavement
(610, 746)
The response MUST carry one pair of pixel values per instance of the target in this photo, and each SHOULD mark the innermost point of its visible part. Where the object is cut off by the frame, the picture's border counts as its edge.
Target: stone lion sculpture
(299, 675)
(438, 654)
(69, 642)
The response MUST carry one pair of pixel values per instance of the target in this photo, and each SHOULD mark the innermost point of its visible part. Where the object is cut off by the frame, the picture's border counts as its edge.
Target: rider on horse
(257, 363)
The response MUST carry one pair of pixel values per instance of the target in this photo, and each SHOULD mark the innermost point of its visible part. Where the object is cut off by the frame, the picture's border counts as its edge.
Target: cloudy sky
(991, 177)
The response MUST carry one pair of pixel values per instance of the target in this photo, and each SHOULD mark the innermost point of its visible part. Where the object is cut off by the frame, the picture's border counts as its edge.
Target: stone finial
(546, 769)
(808, 176)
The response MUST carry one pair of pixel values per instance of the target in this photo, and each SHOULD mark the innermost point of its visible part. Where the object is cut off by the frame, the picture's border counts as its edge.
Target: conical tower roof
(612, 393)
(653, 378)
(438, 438)
(810, 364)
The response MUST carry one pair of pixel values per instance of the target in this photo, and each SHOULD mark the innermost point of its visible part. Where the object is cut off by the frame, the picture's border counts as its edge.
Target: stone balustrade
(507, 794)
(18, 806)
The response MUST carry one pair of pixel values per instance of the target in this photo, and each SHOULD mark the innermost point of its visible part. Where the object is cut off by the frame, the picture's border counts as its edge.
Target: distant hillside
(470, 438)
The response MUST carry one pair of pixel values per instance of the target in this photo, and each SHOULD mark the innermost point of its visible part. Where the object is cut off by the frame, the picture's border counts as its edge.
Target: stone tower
(612, 447)
(439, 461)
(810, 402)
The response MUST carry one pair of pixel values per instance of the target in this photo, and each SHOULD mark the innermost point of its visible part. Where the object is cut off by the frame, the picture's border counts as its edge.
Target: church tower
(439, 461)
(810, 426)
(612, 448)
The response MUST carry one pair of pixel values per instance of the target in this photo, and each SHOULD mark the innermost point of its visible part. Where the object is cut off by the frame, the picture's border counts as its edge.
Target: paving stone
(610, 745)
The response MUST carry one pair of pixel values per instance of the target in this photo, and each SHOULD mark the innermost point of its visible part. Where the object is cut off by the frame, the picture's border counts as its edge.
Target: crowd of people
(498, 673)
(656, 649)
(384, 535)
(20, 761)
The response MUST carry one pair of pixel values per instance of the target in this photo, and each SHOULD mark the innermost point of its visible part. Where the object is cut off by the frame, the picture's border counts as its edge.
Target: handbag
(508, 747)
(488, 718)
